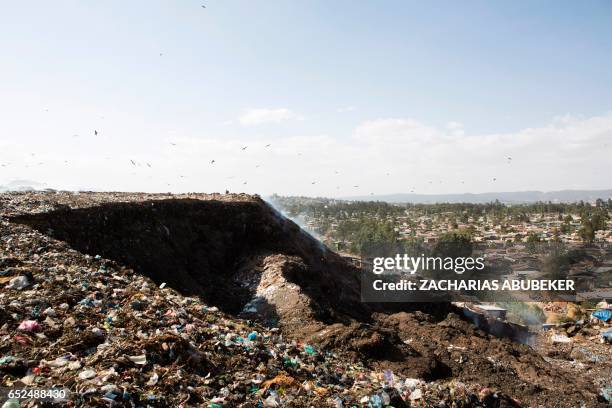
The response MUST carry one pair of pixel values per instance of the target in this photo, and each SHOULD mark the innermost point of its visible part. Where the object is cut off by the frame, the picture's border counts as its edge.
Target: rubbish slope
(232, 269)
(199, 247)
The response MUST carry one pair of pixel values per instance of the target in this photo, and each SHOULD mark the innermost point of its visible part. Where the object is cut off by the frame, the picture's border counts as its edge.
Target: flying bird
(203, 6)
(212, 161)
(356, 186)
(314, 182)
(268, 145)
(148, 165)
(173, 144)
(244, 148)
(95, 133)
(133, 163)
(494, 179)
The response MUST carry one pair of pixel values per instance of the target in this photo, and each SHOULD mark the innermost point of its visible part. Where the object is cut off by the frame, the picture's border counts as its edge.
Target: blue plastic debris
(606, 393)
(375, 402)
(309, 349)
(607, 336)
(604, 315)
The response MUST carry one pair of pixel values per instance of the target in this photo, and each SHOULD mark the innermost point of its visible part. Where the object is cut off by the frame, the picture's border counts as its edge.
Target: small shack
(492, 311)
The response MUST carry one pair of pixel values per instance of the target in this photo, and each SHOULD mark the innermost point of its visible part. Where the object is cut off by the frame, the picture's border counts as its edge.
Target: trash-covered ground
(580, 348)
(293, 334)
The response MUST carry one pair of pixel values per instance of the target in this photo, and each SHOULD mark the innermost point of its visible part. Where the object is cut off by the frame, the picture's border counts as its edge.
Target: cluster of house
(506, 244)
(545, 227)
(591, 269)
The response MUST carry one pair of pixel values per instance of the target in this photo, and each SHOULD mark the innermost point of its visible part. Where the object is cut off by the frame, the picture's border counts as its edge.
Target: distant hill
(22, 185)
(505, 197)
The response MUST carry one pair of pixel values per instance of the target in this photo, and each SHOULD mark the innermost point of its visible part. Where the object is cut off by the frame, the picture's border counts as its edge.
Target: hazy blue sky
(436, 94)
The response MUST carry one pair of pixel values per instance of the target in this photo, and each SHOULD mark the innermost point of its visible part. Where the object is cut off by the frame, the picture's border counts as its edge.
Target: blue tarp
(603, 314)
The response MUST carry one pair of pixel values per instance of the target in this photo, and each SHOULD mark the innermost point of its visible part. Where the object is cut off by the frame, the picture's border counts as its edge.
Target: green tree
(555, 263)
(532, 242)
(587, 232)
(454, 244)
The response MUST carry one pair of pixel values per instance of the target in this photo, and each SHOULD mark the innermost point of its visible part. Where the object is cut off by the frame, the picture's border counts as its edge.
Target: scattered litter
(606, 337)
(153, 380)
(19, 283)
(115, 339)
(87, 374)
(606, 393)
(605, 315)
(139, 360)
(560, 338)
(29, 326)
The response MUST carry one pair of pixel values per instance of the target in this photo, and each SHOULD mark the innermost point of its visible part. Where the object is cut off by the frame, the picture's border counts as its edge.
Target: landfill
(111, 336)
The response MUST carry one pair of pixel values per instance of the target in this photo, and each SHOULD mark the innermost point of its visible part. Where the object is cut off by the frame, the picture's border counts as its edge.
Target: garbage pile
(108, 336)
(580, 328)
(582, 346)
(113, 338)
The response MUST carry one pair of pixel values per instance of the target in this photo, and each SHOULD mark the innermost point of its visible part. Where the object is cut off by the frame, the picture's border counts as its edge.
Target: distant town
(522, 241)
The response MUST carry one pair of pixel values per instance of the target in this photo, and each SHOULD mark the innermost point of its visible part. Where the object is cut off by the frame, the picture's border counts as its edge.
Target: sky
(319, 98)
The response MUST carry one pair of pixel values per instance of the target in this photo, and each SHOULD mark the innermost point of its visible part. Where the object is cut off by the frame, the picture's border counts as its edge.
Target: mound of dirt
(237, 254)
(218, 249)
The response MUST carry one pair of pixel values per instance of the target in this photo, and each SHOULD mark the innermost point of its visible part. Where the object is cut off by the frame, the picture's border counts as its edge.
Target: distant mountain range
(22, 185)
(505, 197)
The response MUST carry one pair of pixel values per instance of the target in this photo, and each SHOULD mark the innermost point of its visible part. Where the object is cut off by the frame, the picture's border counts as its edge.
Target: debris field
(136, 300)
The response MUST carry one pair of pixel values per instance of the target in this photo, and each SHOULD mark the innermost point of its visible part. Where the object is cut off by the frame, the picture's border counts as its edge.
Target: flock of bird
(243, 148)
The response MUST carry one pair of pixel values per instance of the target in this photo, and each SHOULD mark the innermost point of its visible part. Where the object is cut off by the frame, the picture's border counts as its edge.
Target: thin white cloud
(260, 116)
(395, 131)
(568, 153)
(456, 128)
(345, 109)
